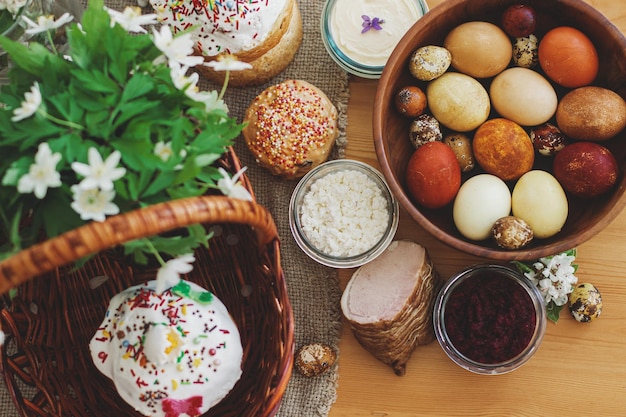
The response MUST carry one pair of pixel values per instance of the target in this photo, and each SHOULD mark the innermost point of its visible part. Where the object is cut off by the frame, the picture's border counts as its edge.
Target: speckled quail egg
(461, 145)
(314, 359)
(585, 302)
(429, 62)
(424, 128)
(525, 51)
(511, 232)
(547, 139)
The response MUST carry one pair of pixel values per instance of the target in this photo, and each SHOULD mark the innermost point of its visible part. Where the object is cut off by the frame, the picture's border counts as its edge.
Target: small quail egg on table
(526, 51)
(585, 302)
(314, 359)
(425, 128)
(429, 62)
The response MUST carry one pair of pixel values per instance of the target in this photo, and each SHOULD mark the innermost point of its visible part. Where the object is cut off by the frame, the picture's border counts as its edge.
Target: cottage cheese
(344, 214)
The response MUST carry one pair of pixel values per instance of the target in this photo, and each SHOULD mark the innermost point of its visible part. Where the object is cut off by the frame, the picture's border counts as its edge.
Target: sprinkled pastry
(291, 128)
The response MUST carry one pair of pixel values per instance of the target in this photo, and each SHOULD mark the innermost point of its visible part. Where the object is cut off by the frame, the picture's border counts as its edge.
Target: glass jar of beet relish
(489, 319)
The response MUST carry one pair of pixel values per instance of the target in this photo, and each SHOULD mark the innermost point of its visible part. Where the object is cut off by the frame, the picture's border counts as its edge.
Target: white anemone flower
(46, 23)
(99, 173)
(232, 187)
(2, 338)
(13, 6)
(554, 277)
(178, 49)
(228, 63)
(30, 105)
(169, 274)
(132, 20)
(163, 150)
(94, 204)
(182, 81)
(42, 174)
(210, 99)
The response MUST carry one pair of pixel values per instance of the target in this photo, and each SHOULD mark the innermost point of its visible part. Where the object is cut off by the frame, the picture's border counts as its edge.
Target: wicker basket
(46, 361)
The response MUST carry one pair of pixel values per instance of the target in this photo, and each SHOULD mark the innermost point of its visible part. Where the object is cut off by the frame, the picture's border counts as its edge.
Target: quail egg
(526, 51)
(314, 359)
(585, 302)
(429, 62)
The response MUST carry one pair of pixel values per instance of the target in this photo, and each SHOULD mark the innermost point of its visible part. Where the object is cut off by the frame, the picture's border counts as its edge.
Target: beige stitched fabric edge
(313, 289)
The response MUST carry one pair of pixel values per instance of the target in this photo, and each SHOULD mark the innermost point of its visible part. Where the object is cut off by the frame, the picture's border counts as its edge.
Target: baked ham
(388, 303)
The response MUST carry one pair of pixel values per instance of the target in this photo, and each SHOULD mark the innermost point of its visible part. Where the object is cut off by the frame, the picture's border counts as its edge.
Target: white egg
(539, 199)
(481, 201)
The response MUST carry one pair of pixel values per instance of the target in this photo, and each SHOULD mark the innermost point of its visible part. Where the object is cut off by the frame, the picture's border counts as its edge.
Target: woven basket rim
(50, 256)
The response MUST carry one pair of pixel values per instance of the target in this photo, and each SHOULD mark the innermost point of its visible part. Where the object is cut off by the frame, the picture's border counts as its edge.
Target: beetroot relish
(489, 318)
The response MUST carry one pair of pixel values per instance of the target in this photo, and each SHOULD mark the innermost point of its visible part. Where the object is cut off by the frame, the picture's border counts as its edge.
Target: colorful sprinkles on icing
(290, 125)
(218, 21)
(169, 347)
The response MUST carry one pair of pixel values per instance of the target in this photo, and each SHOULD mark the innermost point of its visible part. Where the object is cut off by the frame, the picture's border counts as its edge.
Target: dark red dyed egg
(519, 20)
(586, 169)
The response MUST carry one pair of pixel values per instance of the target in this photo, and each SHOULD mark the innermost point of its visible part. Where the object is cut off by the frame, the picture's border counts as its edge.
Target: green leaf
(57, 216)
(95, 81)
(34, 59)
(163, 180)
(553, 311)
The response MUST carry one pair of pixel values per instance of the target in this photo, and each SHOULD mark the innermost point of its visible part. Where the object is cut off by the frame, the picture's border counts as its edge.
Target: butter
(372, 47)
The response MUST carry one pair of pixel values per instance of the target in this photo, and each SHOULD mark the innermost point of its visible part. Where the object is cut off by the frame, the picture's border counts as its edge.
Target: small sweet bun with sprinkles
(291, 128)
(175, 353)
(263, 33)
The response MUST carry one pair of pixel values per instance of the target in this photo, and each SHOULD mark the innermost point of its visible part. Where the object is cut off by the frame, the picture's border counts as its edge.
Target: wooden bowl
(586, 217)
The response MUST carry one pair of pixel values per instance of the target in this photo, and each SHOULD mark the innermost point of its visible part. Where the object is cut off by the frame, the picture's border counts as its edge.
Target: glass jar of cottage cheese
(359, 35)
(343, 214)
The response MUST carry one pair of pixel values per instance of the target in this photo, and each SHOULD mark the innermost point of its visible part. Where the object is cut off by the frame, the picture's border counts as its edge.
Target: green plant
(111, 124)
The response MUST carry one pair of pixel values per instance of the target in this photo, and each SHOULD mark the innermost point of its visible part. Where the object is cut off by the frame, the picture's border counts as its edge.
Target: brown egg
(503, 148)
(411, 101)
(591, 113)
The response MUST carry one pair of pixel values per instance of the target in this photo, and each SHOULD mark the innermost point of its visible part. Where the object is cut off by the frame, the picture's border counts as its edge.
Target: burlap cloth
(313, 289)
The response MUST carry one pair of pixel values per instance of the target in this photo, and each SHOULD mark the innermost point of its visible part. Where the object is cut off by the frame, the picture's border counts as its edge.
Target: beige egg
(479, 49)
(429, 62)
(458, 101)
(539, 199)
(481, 201)
(524, 96)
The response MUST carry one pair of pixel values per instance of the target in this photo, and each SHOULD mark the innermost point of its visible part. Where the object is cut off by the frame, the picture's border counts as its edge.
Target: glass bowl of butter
(359, 35)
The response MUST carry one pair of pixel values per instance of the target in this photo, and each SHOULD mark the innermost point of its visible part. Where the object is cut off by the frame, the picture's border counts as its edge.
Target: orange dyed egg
(568, 57)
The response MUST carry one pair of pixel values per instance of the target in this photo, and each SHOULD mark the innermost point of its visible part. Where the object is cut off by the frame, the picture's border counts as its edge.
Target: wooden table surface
(580, 369)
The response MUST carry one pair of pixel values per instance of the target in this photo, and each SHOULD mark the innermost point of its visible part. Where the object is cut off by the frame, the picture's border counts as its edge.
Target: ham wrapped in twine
(388, 303)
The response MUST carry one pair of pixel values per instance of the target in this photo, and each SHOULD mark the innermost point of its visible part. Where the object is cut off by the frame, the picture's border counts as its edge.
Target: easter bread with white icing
(263, 33)
(175, 353)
